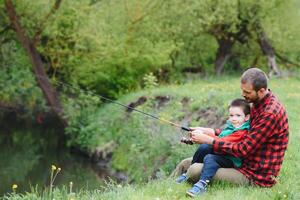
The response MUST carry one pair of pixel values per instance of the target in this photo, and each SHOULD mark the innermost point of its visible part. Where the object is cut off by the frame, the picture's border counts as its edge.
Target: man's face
(248, 92)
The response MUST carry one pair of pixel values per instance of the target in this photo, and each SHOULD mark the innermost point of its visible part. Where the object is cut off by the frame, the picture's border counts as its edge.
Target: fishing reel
(186, 140)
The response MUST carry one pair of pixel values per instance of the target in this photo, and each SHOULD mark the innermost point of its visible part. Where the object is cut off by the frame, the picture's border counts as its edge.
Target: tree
(238, 21)
(37, 65)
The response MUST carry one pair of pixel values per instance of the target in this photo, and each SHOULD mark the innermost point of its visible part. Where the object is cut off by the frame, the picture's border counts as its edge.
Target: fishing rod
(183, 139)
(184, 128)
(123, 105)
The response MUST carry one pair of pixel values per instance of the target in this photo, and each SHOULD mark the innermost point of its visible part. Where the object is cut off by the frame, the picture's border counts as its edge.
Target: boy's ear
(247, 117)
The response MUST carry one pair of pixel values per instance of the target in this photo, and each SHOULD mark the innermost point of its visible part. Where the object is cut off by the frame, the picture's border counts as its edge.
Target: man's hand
(198, 136)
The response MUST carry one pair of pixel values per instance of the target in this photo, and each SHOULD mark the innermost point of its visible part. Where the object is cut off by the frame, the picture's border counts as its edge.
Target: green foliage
(110, 46)
(78, 107)
(18, 87)
(284, 31)
(110, 55)
(150, 81)
(143, 157)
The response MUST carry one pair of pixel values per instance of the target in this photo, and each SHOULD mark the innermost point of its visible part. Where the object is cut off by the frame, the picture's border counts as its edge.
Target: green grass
(146, 141)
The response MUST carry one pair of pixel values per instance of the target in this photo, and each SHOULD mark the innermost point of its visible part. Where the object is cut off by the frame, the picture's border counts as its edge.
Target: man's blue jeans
(211, 162)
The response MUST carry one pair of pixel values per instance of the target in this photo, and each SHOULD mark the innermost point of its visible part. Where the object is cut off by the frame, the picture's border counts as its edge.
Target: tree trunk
(223, 53)
(41, 77)
(268, 50)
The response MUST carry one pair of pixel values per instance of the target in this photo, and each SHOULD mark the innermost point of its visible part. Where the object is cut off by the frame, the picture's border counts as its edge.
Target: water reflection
(26, 156)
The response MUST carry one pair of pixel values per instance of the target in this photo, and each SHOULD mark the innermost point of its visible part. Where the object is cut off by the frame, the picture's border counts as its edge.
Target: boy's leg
(223, 174)
(183, 166)
(211, 164)
(201, 152)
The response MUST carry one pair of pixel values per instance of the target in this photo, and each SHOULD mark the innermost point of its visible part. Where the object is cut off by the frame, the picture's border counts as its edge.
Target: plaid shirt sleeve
(257, 136)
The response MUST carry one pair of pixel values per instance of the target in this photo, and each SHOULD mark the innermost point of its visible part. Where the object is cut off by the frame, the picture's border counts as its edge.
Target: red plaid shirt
(263, 148)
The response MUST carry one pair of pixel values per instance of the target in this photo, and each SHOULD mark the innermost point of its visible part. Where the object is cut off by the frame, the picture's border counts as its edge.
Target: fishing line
(59, 83)
(118, 103)
(183, 138)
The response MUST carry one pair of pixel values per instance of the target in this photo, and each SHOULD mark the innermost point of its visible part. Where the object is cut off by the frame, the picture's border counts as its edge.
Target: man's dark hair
(256, 77)
(242, 104)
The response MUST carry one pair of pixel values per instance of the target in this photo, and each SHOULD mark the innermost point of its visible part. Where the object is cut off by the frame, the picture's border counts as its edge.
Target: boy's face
(237, 116)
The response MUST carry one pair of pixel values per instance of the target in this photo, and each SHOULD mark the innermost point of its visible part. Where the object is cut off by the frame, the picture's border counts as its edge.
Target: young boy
(237, 126)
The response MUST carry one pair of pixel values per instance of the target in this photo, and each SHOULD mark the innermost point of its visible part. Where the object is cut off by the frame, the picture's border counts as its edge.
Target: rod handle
(186, 128)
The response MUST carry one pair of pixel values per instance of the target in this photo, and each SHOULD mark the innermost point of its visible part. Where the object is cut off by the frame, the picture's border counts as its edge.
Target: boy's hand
(197, 136)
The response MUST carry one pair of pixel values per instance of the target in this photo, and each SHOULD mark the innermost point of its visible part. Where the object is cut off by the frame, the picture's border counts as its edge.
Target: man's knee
(182, 167)
(194, 172)
(231, 175)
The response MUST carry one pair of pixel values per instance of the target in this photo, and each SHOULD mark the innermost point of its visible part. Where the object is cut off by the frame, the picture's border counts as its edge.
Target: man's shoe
(197, 189)
(182, 178)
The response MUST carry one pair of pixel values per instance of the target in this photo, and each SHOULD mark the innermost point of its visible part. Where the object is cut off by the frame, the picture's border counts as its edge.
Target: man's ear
(247, 117)
(261, 91)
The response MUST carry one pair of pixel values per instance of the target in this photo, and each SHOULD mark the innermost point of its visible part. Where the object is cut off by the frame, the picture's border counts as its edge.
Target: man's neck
(262, 96)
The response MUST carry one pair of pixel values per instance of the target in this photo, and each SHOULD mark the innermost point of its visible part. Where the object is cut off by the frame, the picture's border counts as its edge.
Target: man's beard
(252, 100)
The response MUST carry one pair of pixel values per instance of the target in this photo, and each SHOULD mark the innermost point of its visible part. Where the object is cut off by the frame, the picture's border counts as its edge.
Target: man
(263, 149)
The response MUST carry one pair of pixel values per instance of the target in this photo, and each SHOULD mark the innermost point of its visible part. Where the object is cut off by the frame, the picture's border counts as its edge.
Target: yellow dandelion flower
(53, 167)
(14, 186)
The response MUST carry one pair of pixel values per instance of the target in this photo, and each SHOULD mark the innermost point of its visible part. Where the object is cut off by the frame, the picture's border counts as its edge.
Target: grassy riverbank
(147, 149)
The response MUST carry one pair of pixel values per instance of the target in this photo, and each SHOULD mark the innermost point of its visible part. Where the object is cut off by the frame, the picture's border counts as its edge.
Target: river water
(27, 154)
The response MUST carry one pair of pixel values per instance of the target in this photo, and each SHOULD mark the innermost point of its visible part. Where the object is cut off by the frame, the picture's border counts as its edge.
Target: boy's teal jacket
(229, 129)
